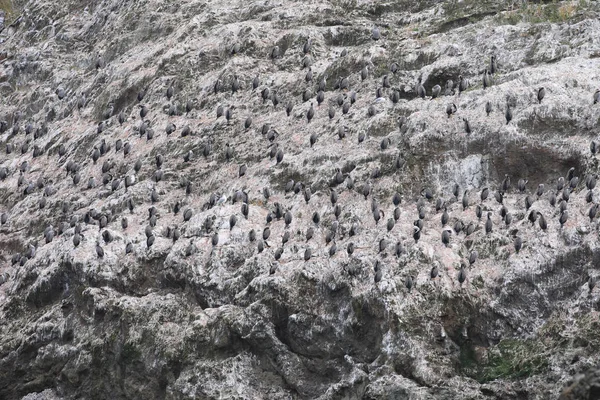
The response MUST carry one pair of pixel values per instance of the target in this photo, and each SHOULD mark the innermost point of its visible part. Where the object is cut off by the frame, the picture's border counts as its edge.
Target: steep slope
(197, 308)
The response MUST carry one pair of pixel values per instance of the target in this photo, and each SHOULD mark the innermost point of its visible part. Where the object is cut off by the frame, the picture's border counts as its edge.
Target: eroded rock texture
(128, 268)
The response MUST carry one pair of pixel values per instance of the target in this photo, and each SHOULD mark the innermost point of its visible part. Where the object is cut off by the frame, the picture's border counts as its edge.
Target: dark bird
(275, 53)
(409, 283)
(366, 190)
(434, 272)
(518, 244)
(489, 224)
(563, 218)
(473, 257)
(499, 196)
(542, 221)
(508, 114)
(484, 193)
(416, 234)
(311, 113)
(488, 108)
(528, 202)
(450, 109)
(307, 254)
(446, 237)
(421, 90)
(487, 79)
(522, 185)
(506, 183)
(435, 91)
(278, 253)
(398, 249)
(540, 94)
(350, 248)
(467, 126)
(375, 34)
(463, 84)
(465, 200)
(462, 275)
(99, 250)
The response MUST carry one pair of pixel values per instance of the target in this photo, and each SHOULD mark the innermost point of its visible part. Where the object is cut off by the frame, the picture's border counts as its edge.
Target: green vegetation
(514, 358)
(7, 7)
(130, 353)
(555, 11)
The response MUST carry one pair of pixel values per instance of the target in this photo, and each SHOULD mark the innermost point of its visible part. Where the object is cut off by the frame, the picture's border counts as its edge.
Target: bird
(508, 114)
(350, 248)
(542, 221)
(450, 109)
(375, 34)
(563, 218)
(311, 113)
(99, 250)
(446, 237)
(445, 217)
(409, 283)
(435, 91)
(488, 108)
(597, 96)
(434, 272)
(378, 275)
(487, 80)
(484, 193)
(462, 274)
(416, 233)
(522, 185)
(473, 257)
(463, 84)
(540, 94)
(489, 224)
(307, 254)
(307, 46)
(421, 90)
(307, 194)
(518, 244)
(467, 125)
(278, 253)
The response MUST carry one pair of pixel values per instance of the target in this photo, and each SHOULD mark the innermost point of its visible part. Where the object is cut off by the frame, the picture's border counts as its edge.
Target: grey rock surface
(166, 306)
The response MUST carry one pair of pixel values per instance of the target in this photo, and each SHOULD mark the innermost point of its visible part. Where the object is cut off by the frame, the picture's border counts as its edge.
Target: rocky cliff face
(272, 255)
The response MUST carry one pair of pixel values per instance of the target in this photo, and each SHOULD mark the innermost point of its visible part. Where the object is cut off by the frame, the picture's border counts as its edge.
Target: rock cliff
(287, 199)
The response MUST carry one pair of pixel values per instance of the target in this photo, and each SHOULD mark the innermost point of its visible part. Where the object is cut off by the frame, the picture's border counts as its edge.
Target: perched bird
(540, 94)
(508, 114)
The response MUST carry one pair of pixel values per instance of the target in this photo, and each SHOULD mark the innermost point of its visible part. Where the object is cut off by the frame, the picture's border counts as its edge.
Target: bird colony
(383, 208)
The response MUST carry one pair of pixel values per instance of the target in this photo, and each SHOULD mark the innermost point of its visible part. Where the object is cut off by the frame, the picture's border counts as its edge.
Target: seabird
(450, 109)
(540, 94)
(508, 114)
(375, 34)
(489, 224)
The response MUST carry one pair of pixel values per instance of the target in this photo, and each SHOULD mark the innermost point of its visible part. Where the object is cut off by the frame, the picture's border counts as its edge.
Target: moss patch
(555, 11)
(7, 7)
(513, 359)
